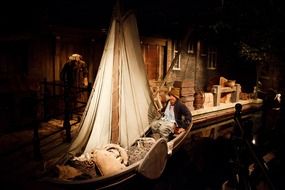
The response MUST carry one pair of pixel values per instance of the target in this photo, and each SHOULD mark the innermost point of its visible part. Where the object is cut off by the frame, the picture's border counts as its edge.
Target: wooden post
(35, 124)
(36, 142)
(236, 92)
(238, 108)
(217, 94)
(45, 97)
(67, 111)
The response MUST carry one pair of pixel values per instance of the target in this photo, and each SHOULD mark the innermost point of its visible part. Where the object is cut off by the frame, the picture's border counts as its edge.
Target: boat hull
(150, 167)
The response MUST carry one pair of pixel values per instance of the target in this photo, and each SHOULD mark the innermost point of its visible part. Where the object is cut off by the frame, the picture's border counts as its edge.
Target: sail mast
(116, 74)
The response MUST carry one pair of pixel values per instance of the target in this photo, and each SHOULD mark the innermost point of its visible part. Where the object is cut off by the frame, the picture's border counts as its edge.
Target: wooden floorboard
(19, 166)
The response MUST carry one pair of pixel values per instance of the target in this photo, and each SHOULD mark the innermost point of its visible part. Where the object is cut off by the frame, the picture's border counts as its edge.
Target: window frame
(212, 58)
(177, 65)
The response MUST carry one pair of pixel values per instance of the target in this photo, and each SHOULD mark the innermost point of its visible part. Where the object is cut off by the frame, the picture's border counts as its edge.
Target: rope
(174, 61)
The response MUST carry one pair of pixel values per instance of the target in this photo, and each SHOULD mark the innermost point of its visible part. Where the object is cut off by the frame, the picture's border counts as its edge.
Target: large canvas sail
(119, 111)
(120, 95)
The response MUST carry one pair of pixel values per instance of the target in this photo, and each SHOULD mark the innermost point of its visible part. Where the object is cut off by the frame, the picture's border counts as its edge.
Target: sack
(163, 127)
(107, 163)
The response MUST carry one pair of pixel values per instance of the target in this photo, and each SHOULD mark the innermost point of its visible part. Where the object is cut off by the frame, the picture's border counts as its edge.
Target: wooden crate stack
(186, 92)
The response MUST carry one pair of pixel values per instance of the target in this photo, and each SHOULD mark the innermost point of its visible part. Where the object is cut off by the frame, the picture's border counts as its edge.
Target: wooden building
(30, 56)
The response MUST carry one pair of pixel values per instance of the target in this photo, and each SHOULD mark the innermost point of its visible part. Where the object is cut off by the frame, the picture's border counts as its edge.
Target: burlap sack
(107, 163)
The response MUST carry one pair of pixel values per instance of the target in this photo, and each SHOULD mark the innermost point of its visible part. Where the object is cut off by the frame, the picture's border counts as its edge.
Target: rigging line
(141, 128)
(198, 45)
(93, 117)
(257, 160)
(85, 113)
(187, 65)
(151, 104)
(174, 61)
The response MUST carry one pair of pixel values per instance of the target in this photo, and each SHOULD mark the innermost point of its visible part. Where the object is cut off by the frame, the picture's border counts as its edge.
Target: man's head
(174, 94)
(76, 57)
(163, 93)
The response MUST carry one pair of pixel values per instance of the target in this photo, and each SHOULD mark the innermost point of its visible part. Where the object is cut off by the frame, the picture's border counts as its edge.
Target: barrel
(199, 99)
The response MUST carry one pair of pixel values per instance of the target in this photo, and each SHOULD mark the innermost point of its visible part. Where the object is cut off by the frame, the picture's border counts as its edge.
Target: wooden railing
(58, 100)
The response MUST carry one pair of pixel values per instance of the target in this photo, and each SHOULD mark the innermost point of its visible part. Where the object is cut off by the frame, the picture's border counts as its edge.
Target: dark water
(197, 165)
(205, 164)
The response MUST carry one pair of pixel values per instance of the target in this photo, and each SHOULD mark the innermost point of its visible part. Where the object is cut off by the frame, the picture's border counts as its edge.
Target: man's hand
(85, 82)
(178, 130)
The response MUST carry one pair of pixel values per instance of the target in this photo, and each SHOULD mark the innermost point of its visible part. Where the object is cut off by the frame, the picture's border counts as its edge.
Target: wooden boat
(118, 112)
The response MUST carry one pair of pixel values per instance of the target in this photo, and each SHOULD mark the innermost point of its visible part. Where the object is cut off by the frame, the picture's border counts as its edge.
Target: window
(175, 53)
(212, 58)
(190, 48)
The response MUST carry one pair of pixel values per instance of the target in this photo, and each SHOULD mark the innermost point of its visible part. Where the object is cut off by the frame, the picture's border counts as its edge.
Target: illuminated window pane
(177, 65)
(212, 58)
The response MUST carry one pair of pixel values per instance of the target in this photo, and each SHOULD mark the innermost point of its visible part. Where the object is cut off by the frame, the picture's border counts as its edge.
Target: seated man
(175, 118)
